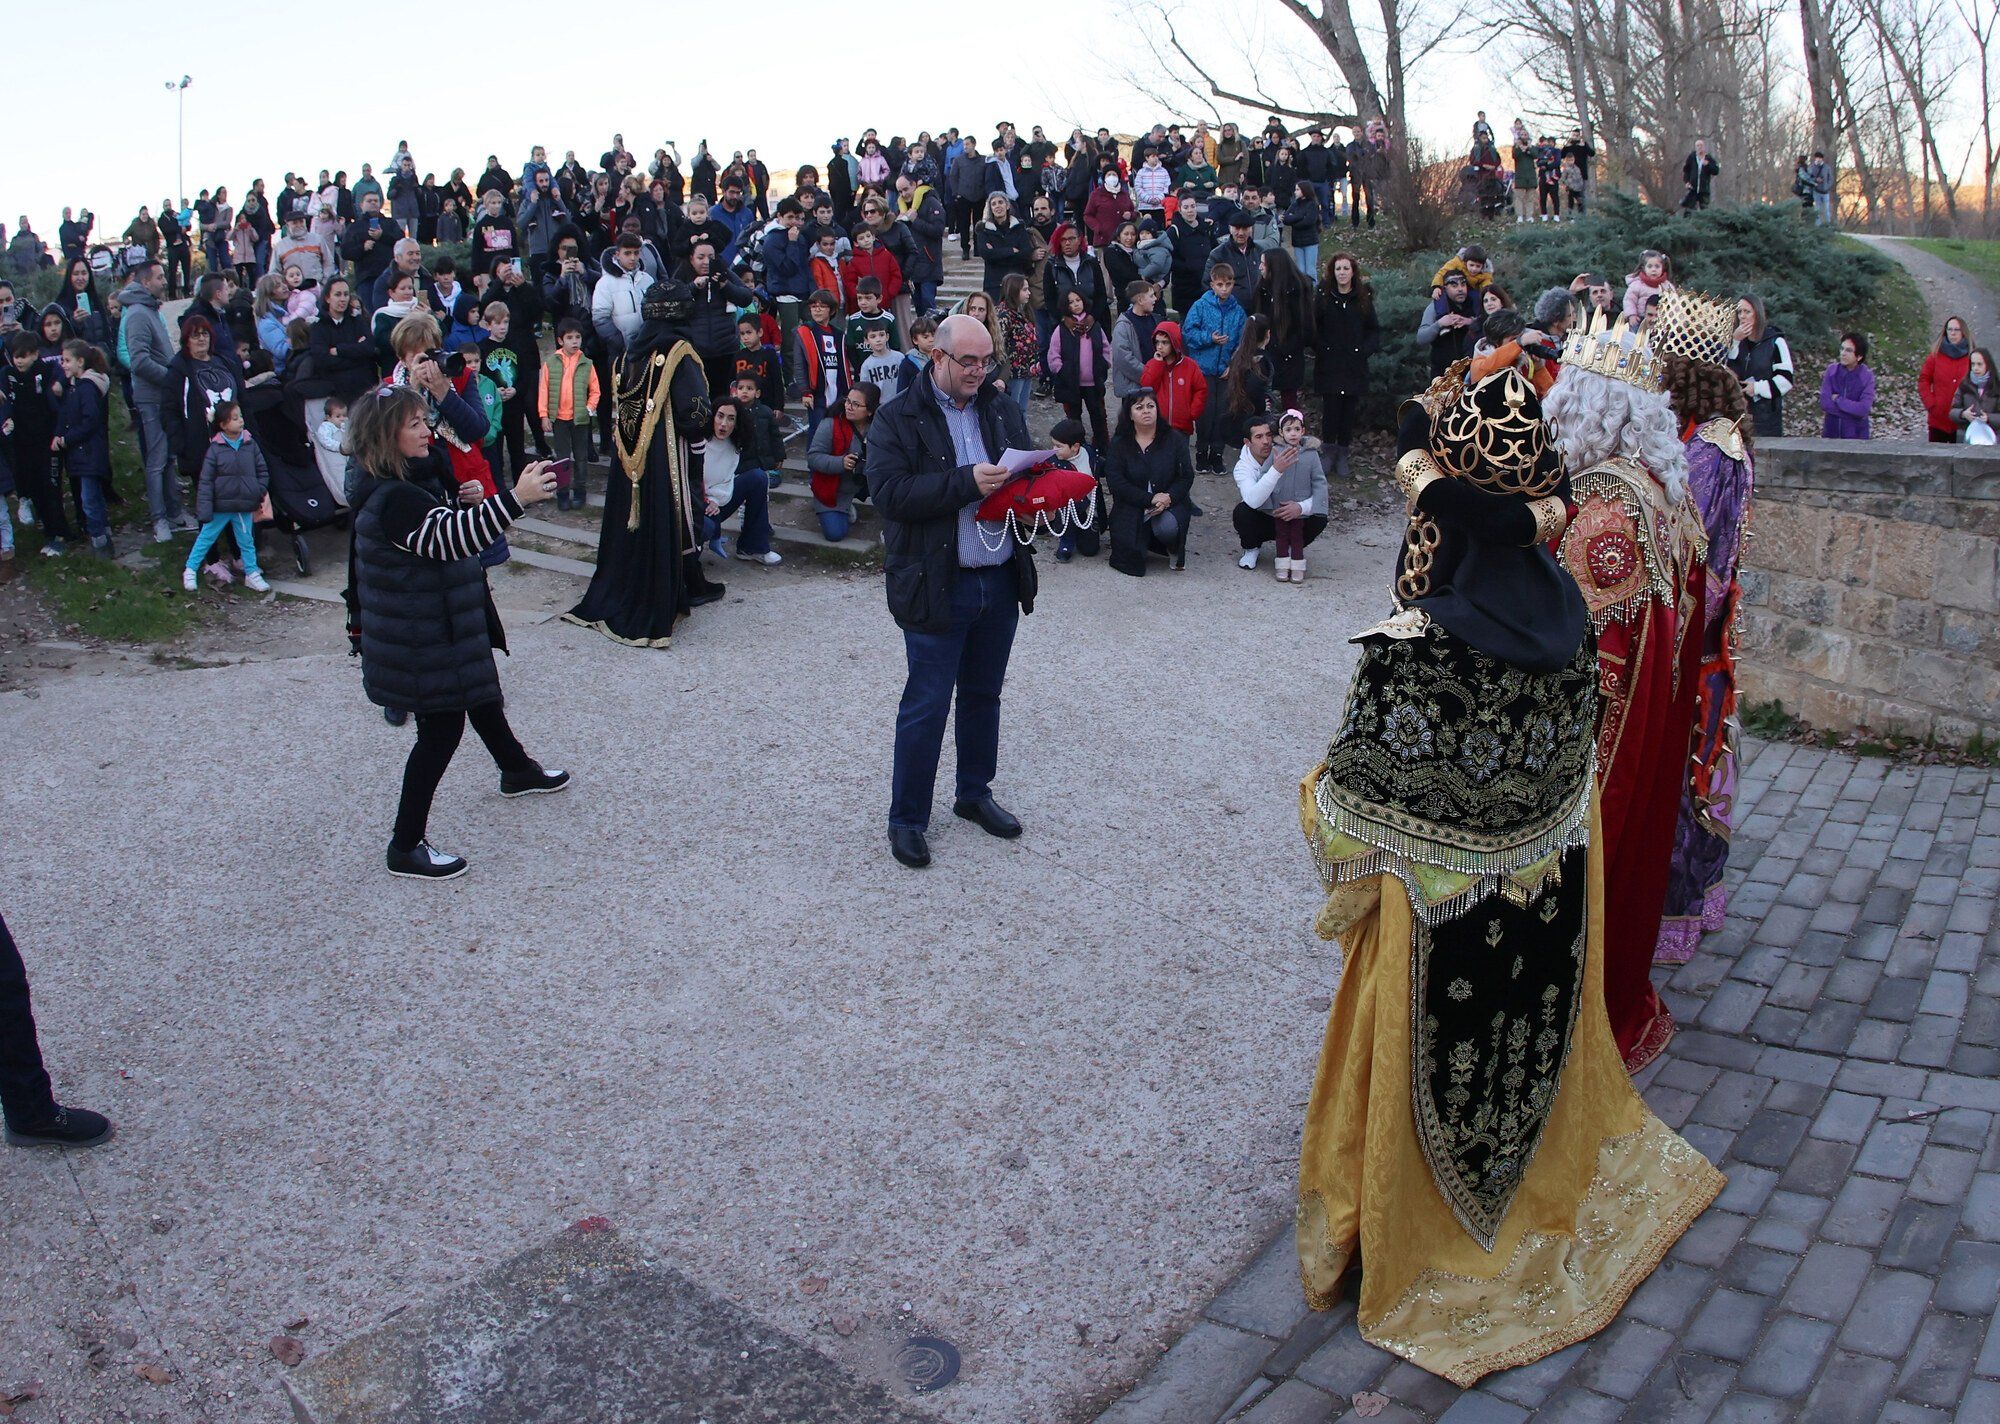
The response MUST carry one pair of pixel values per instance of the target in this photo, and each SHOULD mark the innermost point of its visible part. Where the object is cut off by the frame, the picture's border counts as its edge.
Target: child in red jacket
(829, 268)
(1176, 381)
(869, 259)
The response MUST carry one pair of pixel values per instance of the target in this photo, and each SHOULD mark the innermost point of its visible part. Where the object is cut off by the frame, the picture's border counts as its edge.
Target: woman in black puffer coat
(418, 607)
(1004, 243)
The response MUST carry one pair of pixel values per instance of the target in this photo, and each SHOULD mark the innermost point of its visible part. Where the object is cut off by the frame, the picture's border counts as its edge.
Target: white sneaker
(24, 515)
(162, 531)
(768, 557)
(256, 583)
(187, 523)
(188, 580)
(1249, 559)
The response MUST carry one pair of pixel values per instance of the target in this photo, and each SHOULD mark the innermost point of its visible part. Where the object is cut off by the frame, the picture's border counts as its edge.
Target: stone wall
(1871, 586)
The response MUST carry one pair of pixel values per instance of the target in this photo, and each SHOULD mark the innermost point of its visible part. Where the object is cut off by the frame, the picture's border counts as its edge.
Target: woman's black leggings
(437, 740)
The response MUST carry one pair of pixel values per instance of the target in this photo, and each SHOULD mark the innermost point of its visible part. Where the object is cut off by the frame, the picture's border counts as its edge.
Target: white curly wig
(1594, 418)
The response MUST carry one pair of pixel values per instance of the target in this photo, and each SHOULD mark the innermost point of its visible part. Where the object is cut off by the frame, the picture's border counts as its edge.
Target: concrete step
(318, 593)
(859, 547)
(554, 563)
(589, 1326)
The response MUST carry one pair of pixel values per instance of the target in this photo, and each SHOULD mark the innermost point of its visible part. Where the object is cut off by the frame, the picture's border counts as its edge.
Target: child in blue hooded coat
(1212, 331)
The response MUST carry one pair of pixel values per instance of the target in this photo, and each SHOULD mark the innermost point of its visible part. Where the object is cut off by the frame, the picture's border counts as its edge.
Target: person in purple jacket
(1847, 391)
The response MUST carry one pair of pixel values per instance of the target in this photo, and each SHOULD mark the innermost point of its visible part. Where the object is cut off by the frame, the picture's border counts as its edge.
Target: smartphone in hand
(563, 469)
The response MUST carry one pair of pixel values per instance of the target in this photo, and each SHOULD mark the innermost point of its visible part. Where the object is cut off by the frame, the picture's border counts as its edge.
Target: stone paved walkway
(1839, 1055)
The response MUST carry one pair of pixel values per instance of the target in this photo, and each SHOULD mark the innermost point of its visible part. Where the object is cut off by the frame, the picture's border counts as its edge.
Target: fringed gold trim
(1518, 868)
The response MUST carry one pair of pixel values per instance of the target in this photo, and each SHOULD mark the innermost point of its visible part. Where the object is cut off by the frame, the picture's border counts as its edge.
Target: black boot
(68, 1127)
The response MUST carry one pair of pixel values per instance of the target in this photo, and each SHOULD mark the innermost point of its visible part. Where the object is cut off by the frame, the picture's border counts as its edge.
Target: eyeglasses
(985, 365)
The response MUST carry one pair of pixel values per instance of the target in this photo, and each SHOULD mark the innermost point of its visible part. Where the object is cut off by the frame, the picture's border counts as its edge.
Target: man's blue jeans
(752, 494)
(969, 658)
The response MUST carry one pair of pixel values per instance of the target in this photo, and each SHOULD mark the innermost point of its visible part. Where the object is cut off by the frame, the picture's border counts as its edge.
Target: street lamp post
(180, 134)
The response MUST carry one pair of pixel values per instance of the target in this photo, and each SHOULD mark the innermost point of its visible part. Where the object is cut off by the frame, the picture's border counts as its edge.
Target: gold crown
(1692, 325)
(1618, 355)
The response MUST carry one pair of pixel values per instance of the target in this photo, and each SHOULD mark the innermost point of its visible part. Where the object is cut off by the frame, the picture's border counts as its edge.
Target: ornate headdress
(1683, 324)
(1494, 436)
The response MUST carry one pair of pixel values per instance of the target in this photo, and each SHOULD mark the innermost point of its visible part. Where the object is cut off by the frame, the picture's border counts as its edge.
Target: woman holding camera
(419, 610)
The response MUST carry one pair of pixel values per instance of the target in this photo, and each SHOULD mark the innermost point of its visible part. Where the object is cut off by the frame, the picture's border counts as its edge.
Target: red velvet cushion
(1043, 490)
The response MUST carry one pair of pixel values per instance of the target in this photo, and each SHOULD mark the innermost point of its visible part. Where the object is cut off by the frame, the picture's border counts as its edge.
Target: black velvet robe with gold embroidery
(649, 572)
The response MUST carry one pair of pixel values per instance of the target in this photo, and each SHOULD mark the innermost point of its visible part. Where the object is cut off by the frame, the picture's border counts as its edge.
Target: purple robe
(1719, 483)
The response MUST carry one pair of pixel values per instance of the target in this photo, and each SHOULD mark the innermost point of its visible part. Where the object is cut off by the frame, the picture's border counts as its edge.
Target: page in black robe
(648, 577)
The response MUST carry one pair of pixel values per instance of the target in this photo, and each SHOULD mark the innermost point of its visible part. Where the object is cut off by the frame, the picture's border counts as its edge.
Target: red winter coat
(468, 462)
(1105, 212)
(1937, 386)
(1179, 386)
(879, 262)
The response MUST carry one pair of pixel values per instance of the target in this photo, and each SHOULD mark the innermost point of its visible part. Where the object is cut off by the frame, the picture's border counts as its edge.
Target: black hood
(667, 310)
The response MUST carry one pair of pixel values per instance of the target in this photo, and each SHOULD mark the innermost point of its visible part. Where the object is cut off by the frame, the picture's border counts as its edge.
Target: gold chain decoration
(640, 409)
(1414, 471)
(1420, 543)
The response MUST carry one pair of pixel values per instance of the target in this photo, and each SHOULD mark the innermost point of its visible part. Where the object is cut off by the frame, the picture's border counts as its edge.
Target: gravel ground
(1041, 1099)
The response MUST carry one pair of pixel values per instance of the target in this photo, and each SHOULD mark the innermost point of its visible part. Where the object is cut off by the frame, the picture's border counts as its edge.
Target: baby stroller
(300, 500)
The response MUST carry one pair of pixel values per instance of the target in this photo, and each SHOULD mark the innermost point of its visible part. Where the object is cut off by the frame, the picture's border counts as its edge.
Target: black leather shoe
(989, 817)
(908, 845)
(69, 1127)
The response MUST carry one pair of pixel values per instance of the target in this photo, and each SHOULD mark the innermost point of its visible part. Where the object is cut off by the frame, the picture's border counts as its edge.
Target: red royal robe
(1637, 559)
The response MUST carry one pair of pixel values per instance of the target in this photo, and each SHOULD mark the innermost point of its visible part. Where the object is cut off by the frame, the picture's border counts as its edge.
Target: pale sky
(284, 91)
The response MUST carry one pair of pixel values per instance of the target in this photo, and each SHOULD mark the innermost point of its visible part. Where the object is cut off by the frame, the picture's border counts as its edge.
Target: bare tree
(1650, 76)
(1821, 58)
(1980, 25)
(1915, 45)
(1192, 69)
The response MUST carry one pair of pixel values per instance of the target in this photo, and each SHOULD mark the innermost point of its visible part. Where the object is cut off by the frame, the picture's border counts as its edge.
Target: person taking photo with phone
(419, 612)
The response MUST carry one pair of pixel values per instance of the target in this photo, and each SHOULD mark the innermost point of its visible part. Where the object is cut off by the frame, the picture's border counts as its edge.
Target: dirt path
(1947, 290)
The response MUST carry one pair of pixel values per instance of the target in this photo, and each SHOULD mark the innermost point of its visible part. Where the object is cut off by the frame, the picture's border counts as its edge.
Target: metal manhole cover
(927, 1363)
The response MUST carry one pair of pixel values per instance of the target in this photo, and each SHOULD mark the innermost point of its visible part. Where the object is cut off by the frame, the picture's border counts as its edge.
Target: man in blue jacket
(957, 585)
(735, 215)
(787, 270)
